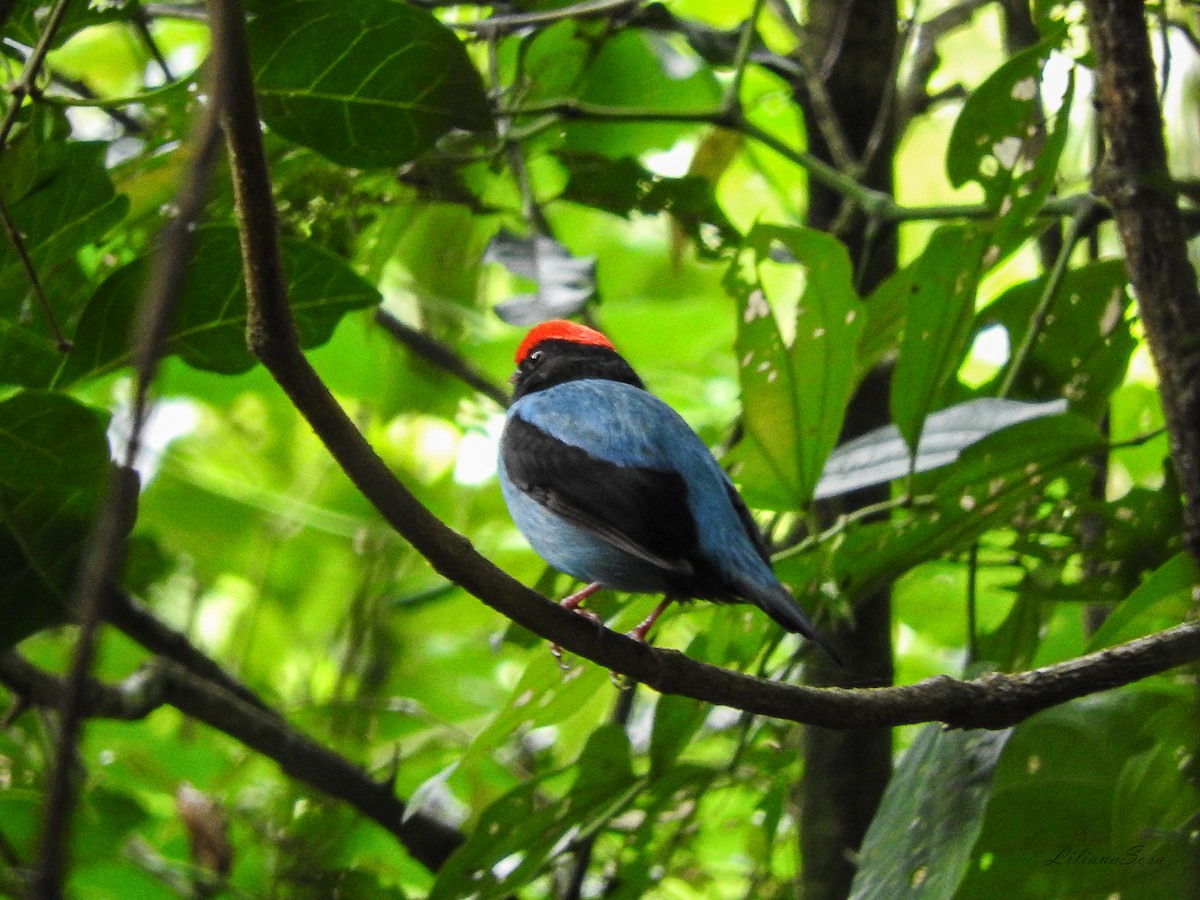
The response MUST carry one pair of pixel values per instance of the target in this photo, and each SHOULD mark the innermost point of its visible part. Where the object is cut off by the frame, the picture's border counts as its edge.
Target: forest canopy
(918, 273)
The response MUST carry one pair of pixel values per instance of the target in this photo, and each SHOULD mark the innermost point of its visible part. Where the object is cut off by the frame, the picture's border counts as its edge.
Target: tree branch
(166, 683)
(995, 701)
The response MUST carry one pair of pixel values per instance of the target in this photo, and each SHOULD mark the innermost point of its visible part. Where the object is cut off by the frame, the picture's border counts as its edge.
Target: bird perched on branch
(611, 486)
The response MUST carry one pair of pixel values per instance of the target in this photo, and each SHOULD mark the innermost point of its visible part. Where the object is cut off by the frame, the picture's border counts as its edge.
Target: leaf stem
(1083, 220)
(17, 240)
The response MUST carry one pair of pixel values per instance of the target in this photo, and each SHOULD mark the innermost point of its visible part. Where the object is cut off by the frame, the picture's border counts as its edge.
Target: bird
(610, 485)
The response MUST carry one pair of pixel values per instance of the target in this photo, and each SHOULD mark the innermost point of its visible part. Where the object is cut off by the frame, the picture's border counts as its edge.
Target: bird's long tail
(777, 603)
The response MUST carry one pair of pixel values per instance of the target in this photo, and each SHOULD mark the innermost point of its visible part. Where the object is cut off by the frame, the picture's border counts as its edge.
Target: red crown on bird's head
(561, 330)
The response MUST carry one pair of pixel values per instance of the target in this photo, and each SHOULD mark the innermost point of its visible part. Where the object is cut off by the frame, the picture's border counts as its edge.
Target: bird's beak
(512, 379)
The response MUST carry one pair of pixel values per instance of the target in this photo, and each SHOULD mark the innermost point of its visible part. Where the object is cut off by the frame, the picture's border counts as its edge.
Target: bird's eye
(535, 357)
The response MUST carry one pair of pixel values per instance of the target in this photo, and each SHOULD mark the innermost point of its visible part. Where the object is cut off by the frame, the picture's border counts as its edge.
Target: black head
(559, 351)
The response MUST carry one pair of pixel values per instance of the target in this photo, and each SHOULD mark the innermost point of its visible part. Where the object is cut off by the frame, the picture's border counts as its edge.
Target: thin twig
(17, 240)
(499, 25)
(531, 209)
(732, 104)
(105, 545)
(27, 83)
(823, 113)
(141, 24)
(440, 355)
(1082, 221)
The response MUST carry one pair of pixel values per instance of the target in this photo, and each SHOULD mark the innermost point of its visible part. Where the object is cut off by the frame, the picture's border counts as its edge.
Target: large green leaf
(365, 83)
(619, 73)
(49, 438)
(794, 395)
(70, 203)
(921, 839)
(937, 331)
(209, 328)
(53, 466)
(1094, 798)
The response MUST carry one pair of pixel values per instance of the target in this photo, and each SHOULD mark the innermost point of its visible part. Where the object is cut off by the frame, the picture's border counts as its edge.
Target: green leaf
(623, 186)
(991, 139)
(545, 695)
(209, 328)
(1062, 822)
(941, 311)
(794, 395)
(365, 83)
(1083, 348)
(921, 839)
(53, 474)
(519, 833)
(617, 75)
(1166, 598)
(26, 20)
(71, 203)
(1004, 140)
(62, 200)
(984, 488)
(676, 721)
(49, 438)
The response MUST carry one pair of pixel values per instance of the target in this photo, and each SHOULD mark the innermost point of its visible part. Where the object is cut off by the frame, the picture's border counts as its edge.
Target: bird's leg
(639, 633)
(573, 604)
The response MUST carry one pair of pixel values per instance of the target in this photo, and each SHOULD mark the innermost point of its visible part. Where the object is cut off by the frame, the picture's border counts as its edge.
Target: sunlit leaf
(794, 395)
(937, 331)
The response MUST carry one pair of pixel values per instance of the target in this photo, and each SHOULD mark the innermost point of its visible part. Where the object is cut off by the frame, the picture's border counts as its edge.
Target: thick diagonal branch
(995, 702)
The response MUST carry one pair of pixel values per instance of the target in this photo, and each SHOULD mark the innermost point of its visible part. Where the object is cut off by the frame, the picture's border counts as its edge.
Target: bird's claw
(555, 649)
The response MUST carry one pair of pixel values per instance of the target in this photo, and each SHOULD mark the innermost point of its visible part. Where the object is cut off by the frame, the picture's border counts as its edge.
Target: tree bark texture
(1134, 179)
(845, 772)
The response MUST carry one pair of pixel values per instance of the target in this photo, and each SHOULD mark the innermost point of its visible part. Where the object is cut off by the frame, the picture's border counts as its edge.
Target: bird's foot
(573, 604)
(639, 634)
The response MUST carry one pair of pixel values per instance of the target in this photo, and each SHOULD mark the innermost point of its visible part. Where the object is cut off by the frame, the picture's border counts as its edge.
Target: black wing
(642, 511)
